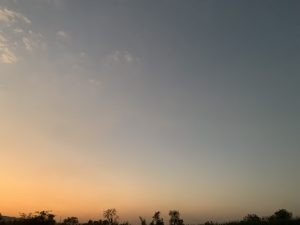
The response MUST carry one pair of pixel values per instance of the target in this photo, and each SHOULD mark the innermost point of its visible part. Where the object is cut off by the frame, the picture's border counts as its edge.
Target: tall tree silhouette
(175, 218)
(156, 220)
(111, 216)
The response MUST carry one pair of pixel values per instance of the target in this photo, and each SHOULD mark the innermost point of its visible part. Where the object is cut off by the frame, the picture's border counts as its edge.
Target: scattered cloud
(128, 57)
(27, 43)
(7, 56)
(121, 57)
(120, 62)
(18, 30)
(10, 17)
(16, 37)
(63, 35)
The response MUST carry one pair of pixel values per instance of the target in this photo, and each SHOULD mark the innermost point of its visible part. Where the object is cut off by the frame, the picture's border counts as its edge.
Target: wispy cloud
(28, 43)
(6, 54)
(18, 30)
(9, 17)
(16, 36)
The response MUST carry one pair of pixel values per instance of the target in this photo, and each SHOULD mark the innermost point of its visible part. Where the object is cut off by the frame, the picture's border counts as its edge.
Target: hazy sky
(150, 105)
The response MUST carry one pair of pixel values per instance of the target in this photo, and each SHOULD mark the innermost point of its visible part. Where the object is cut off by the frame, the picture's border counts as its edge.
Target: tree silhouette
(282, 214)
(143, 220)
(71, 221)
(175, 218)
(253, 218)
(111, 216)
(39, 218)
(156, 220)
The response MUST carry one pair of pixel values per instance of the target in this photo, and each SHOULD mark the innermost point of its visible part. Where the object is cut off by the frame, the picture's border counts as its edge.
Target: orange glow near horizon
(71, 186)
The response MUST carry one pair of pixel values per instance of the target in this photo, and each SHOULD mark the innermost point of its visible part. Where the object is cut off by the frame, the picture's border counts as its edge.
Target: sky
(150, 105)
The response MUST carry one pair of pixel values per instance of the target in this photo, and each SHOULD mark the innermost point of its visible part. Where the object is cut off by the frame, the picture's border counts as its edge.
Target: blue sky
(150, 105)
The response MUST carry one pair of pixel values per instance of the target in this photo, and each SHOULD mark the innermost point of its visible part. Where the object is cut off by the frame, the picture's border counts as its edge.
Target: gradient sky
(150, 105)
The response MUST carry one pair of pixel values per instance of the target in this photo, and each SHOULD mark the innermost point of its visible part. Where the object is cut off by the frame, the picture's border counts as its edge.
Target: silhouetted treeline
(38, 218)
(110, 217)
(280, 217)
